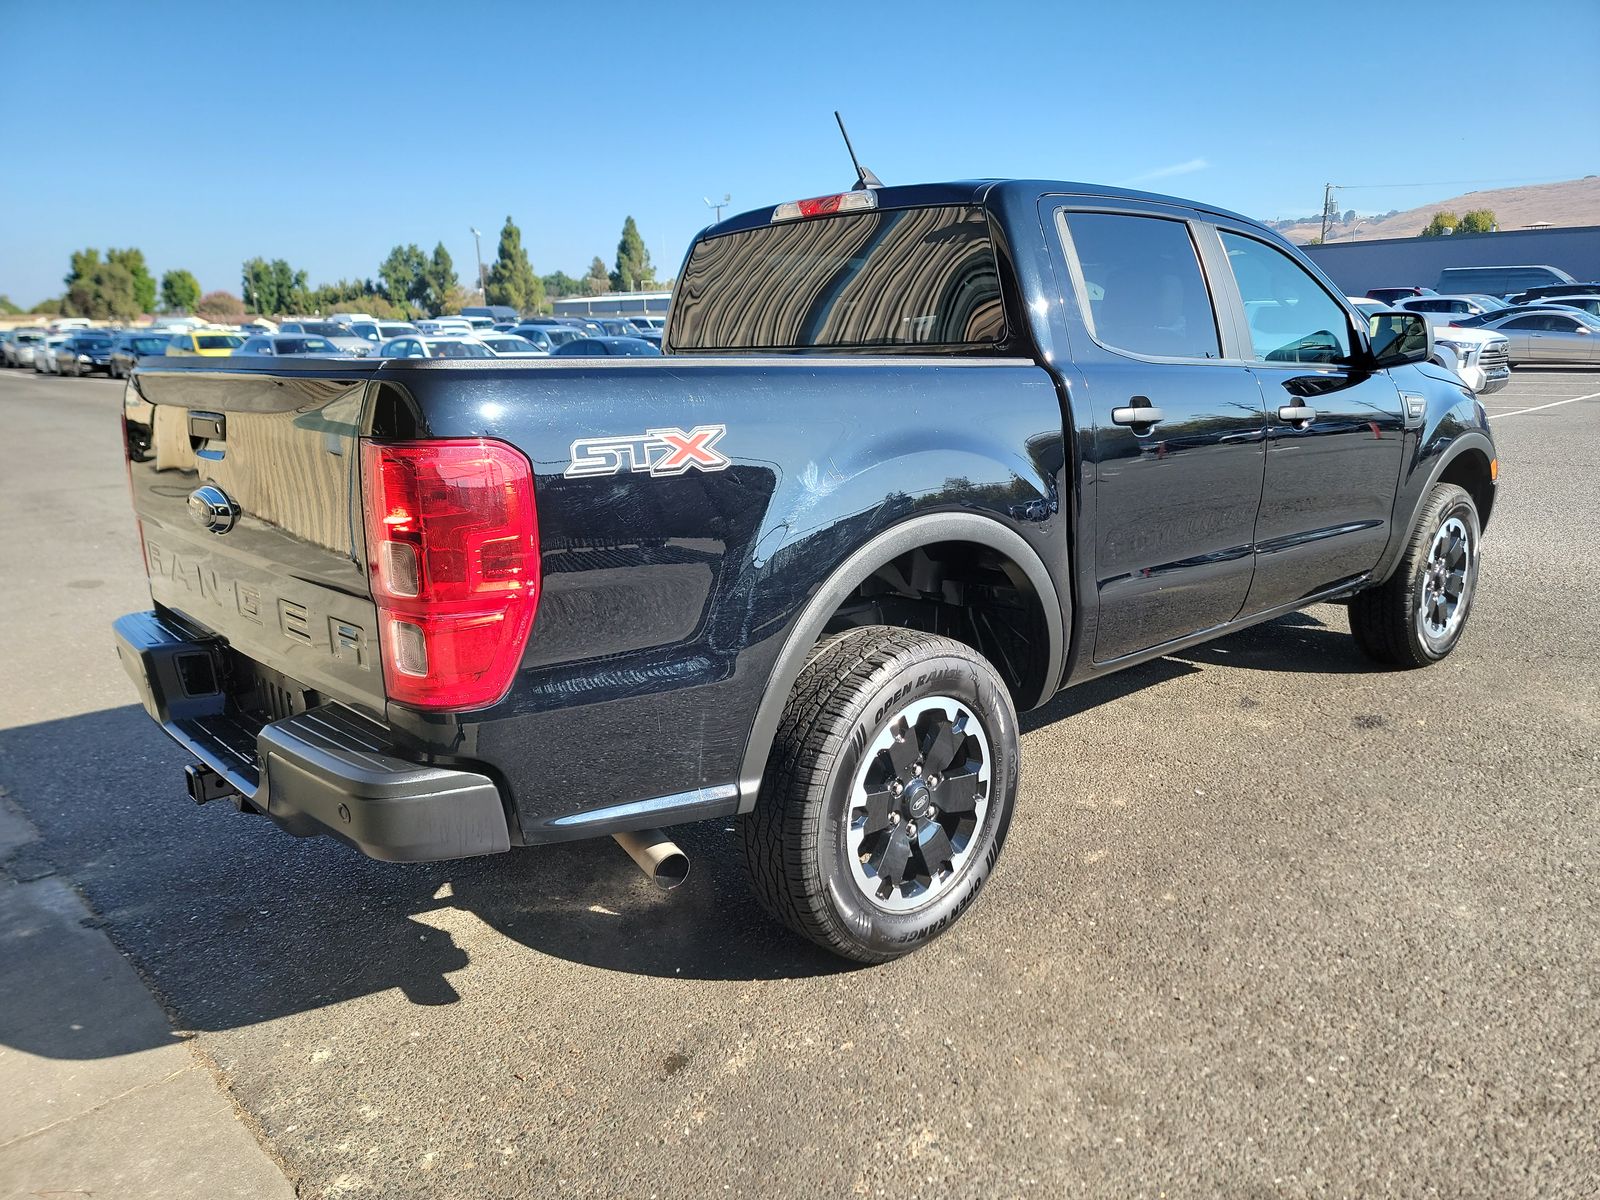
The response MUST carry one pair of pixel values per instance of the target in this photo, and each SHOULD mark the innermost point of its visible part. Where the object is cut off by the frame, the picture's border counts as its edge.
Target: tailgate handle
(208, 427)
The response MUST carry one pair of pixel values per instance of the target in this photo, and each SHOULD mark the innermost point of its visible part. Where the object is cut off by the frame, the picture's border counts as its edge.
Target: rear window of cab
(920, 278)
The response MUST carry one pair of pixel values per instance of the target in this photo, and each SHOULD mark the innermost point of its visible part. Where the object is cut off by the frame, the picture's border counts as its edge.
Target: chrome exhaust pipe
(656, 855)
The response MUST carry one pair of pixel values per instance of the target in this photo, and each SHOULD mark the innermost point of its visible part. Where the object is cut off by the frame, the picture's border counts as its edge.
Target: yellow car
(208, 343)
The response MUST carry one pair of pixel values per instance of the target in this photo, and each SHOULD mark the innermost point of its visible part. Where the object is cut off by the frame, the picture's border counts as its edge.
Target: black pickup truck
(917, 458)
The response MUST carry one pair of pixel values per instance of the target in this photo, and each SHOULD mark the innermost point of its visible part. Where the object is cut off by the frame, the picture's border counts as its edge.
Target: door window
(1142, 285)
(1292, 318)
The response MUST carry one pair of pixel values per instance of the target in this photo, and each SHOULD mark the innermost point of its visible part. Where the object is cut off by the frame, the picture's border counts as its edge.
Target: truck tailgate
(246, 484)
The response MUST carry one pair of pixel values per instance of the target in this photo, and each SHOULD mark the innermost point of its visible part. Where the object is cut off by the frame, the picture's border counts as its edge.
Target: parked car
(648, 324)
(548, 337)
(653, 336)
(1390, 294)
(257, 326)
(85, 352)
(381, 331)
(433, 346)
(802, 574)
(45, 351)
(129, 346)
(494, 313)
(348, 318)
(293, 345)
(1588, 304)
(1550, 291)
(19, 350)
(204, 343)
(446, 326)
(596, 346)
(1461, 306)
(1498, 281)
(340, 333)
(1549, 336)
(506, 345)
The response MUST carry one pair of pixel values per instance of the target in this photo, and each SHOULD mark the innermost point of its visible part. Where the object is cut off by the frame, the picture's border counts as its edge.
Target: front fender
(1452, 424)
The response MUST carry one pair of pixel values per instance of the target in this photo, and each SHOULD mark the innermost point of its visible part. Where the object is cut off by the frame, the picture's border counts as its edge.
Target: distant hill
(1575, 202)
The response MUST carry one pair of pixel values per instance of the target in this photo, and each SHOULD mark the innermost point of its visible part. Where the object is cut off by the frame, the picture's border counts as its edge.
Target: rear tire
(1417, 616)
(887, 795)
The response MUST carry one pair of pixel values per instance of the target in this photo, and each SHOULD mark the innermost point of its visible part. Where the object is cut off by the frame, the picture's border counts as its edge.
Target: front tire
(887, 795)
(1417, 616)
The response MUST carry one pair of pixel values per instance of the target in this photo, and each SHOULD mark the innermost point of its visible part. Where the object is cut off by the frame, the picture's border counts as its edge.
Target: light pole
(477, 249)
(718, 206)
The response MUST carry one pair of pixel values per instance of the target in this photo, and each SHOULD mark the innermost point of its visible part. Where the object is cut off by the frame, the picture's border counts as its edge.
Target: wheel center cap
(916, 797)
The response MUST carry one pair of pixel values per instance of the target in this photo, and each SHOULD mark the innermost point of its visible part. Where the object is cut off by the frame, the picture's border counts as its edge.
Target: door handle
(1138, 412)
(1297, 414)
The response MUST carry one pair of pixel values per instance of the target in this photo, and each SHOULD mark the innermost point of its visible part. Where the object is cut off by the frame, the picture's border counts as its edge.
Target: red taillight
(453, 551)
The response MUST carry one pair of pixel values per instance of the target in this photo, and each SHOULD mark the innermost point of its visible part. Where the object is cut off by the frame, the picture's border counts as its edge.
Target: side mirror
(1399, 338)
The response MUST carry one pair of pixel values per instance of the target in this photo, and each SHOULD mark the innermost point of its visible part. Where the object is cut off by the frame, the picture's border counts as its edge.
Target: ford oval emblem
(213, 509)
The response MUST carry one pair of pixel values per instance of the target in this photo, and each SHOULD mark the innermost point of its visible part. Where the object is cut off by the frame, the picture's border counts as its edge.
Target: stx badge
(656, 452)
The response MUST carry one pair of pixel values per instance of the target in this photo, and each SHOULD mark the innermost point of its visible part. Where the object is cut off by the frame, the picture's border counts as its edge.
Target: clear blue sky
(326, 133)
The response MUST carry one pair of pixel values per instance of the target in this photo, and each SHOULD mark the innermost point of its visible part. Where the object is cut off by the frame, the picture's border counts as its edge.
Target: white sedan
(421, 345)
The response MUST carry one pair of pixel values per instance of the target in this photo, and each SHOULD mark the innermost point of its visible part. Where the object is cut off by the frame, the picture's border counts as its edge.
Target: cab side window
(1143, 286)
(1292, 319)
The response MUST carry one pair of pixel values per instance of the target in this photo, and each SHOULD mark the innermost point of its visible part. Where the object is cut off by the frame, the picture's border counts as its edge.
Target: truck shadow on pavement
(232, 922)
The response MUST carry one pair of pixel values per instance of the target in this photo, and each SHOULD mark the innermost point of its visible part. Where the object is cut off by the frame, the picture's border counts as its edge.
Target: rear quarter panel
(666, 600)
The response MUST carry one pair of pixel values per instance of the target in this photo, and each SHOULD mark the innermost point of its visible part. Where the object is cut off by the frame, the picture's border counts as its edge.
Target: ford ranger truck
(917, 458)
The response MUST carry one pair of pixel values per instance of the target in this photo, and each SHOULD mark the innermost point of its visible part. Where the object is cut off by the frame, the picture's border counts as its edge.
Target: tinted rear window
(922, 277)
(224, 341)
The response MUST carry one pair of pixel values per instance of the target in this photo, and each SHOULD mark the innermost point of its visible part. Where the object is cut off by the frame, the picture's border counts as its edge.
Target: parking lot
(1269, 923)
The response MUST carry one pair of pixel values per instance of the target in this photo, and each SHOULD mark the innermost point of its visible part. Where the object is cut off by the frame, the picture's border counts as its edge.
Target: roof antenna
(864, 178)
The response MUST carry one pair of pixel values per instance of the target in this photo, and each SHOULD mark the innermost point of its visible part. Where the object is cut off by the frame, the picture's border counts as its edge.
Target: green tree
(1479, 220)
(1442, 223)
(511, 279)
(9, 308)
(144, 283)
(180, 291)
(83, 261)
(634, 272)
(104, 291)
(598, 281)
(272, 287)
(404, 274)
(51, 306)
(441, 280)
(558, 284)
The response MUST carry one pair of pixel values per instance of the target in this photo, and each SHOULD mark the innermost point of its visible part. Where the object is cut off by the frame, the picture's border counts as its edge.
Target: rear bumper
(329, 770)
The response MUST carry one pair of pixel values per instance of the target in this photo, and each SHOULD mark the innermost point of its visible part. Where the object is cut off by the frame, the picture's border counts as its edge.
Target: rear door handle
(1140, 412)
(1297, 414)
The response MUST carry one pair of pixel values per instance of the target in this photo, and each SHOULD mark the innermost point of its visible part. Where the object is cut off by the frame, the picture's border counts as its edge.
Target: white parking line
(1517, 412)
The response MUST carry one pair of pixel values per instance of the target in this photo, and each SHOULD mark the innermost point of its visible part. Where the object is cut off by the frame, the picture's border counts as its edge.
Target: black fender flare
(857, 568)
(1463, 443)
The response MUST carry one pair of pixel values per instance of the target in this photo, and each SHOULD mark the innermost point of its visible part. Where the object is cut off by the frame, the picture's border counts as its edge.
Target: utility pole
(477, 247)
(718, 205)
(1327, 208)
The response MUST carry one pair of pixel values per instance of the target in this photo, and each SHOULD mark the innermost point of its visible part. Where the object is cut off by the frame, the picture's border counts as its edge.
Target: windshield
(149, 345)
(923, 277)
(218, 341)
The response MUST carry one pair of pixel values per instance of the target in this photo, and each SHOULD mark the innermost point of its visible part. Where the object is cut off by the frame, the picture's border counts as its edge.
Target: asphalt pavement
(1270, 922)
